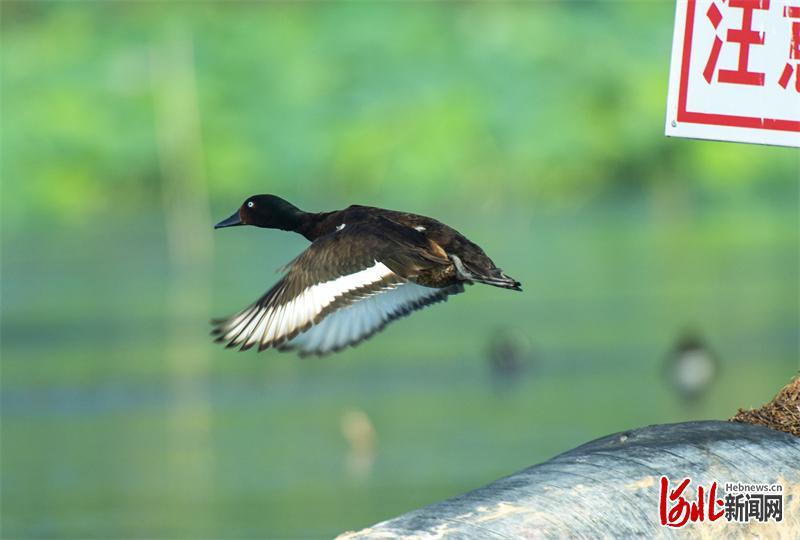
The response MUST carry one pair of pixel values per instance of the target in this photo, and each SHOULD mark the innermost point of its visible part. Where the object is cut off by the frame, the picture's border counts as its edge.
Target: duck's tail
(500, 280)
(495, 277)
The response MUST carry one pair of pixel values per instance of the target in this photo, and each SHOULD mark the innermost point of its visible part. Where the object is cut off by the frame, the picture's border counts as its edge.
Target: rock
(610, 488)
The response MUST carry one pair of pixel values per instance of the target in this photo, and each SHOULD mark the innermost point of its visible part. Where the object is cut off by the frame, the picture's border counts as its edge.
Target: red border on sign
(717, 119)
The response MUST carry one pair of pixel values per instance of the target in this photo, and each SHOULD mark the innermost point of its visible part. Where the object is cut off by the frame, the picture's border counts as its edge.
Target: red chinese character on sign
(745, 37)
(792, 12)
(683, 511)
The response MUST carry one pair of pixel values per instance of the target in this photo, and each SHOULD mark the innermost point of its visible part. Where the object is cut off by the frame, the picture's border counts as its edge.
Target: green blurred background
(129, 128)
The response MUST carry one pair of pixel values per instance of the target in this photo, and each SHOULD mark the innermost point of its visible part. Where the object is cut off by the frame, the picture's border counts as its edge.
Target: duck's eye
(250, 204)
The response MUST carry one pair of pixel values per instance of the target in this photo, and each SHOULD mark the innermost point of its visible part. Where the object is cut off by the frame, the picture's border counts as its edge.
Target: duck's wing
(360, 320)
(369, 265)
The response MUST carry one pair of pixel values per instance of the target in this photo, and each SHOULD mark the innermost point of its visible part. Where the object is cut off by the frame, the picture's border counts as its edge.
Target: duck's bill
(232, 221)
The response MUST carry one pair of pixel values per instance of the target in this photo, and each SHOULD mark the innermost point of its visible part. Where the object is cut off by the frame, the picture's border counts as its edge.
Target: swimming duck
(365, 268)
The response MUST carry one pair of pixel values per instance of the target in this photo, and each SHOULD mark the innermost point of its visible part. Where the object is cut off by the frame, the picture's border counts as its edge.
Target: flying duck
(365, 268)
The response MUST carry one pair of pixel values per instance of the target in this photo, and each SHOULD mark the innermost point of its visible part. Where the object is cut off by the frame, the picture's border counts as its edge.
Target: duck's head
(266, 211)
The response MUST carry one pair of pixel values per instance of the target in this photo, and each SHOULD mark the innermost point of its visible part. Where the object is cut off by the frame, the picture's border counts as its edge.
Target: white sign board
(735, 73)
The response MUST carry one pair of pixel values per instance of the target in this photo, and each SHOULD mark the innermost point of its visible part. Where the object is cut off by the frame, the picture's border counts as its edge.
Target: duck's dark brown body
(443, 240)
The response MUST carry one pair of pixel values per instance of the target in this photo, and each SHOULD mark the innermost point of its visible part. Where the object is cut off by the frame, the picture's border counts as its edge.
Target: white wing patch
(351, 324)
(265, 324)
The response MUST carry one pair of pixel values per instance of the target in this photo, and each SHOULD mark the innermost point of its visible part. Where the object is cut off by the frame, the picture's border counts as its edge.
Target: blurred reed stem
(188, 231)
